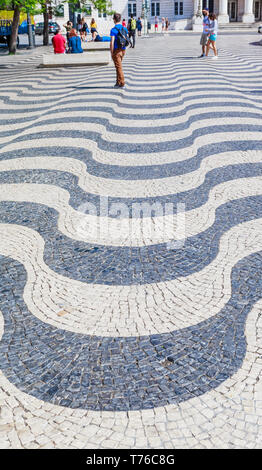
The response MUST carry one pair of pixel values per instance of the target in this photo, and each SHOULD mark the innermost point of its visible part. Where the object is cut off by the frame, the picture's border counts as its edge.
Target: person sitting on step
(74, 42)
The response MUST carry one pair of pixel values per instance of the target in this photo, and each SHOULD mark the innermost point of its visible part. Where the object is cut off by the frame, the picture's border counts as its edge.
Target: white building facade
(182, 14)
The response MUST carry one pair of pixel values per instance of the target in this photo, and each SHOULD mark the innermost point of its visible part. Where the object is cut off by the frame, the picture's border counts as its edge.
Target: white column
(222, 12)
(197, 21)
(248, 16)
(66, 12)
(195, 8)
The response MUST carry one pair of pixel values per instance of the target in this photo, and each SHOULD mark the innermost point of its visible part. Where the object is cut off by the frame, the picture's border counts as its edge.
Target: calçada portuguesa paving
(132, 332)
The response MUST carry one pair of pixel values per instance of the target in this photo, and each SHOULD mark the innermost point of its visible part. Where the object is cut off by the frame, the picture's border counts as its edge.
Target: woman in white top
(213, 27)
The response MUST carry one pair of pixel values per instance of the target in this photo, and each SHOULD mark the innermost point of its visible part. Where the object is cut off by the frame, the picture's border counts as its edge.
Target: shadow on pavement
(91, 87)
(184, 58)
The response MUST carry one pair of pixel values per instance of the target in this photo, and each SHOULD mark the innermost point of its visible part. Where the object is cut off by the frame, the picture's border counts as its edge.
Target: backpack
(122, 39)
(133, 24)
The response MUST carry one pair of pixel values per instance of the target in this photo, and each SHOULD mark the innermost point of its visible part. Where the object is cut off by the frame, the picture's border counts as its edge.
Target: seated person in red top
(59, 43)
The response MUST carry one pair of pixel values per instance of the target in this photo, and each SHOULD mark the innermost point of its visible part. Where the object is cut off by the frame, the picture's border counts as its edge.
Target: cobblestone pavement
(119, 331)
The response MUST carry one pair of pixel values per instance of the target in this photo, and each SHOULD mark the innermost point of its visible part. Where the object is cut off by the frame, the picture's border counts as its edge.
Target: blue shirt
(206, 22)
(114, 33)
(102, 38)
(139, 25)
(75, 44)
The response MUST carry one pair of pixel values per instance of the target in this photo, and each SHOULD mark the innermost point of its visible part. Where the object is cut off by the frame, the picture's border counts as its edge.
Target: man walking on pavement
(132, 30)
(118, 51)
(204, 36)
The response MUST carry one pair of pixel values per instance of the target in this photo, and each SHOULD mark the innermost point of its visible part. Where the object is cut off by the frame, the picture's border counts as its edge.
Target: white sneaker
(215, 57)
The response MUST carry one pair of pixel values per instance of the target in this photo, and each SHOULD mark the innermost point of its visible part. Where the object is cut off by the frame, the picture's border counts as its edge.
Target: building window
(179, 8)
(208, 4)
(132, 9)
(155, 9)
(101, 13)
(257, 10)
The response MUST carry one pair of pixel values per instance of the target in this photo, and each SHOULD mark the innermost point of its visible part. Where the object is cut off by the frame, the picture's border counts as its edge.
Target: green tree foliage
(24, 5)
(45, 7)
(100, 5)
(103, 5)
(17, 6)
(49, 6)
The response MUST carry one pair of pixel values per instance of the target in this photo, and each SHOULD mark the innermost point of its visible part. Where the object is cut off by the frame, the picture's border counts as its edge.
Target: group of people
(122, 35)
(82, 28)
(164, 23)
(72, 45)
(74, 37)
(131, 27)
(207, 41)
(134, 24)
(209, 34)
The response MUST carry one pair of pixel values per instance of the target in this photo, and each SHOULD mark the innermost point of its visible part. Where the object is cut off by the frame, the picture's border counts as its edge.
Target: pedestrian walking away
(167, 24)
(132, 30)
(139, 26)
(124, 23)
(119, 42)
(205, 32)
(213, 27)
(163, 24)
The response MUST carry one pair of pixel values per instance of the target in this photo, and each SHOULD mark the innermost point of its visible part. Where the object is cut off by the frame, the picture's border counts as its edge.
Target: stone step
(95, 46)
(238, 25)
(76, 60)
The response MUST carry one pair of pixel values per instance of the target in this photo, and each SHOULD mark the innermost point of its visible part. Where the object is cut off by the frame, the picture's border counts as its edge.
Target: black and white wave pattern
(124, 321)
